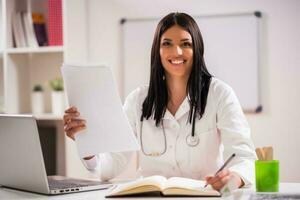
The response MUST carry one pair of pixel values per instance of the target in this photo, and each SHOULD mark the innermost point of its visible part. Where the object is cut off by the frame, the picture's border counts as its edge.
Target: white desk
(100, 194)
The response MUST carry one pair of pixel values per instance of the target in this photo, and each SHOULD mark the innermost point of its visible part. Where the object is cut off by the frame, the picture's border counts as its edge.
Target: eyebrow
(182, 40)
(185, 39)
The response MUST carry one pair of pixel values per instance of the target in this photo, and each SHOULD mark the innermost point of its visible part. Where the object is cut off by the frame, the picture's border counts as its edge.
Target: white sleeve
(110, 165)
(235, 135)
(107, 165)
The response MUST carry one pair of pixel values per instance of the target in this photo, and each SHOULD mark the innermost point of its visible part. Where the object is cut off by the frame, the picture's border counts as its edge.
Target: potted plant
(57, 96)
(37, 99)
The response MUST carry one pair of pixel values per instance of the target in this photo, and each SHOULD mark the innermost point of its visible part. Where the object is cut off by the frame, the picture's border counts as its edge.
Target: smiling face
(176, 52)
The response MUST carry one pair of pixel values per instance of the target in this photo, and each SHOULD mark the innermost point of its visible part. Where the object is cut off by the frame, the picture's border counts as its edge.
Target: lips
(177, 61)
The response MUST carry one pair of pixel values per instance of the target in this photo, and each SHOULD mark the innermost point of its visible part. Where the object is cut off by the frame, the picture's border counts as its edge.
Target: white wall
(278, 125)
(76, 44)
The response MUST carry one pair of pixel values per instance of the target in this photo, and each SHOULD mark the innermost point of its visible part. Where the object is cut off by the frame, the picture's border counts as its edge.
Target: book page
(177, 186)
(156, 181)
(186, 183)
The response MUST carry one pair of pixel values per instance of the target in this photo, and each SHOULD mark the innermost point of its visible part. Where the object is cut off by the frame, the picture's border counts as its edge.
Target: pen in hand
(224, 165)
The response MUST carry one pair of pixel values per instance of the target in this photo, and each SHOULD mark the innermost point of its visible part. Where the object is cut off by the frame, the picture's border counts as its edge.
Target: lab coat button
(173, 168)
(170, 146)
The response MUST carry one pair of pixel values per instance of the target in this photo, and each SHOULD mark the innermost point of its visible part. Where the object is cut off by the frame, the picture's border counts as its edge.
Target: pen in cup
(224, 165)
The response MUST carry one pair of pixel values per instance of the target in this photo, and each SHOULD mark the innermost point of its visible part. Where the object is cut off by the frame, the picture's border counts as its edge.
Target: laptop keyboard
(274, 196)
(72, 183)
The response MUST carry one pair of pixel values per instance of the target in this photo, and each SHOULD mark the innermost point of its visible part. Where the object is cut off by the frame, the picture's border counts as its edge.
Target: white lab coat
(222, 130)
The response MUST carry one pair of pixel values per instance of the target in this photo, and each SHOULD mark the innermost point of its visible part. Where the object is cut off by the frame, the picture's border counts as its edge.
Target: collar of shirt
(182, 110)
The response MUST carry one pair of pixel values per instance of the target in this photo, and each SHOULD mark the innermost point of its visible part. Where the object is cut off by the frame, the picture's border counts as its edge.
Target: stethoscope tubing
(142, 145)
(192, 140)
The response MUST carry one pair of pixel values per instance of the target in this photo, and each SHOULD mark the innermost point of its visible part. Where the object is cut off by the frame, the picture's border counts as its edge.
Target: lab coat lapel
(168, 115)
(183, 109)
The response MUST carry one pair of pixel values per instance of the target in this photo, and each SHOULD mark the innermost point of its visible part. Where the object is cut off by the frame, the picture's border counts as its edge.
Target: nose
(178, 50)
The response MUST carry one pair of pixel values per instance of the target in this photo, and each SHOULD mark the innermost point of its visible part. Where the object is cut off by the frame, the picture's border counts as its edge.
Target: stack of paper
(93, 91)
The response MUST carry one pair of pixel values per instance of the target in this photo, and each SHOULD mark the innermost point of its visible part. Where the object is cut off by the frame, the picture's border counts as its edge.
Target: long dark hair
(199, 80)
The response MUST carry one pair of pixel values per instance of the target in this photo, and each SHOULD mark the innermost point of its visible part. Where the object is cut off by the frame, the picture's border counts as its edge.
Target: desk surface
(100, 194)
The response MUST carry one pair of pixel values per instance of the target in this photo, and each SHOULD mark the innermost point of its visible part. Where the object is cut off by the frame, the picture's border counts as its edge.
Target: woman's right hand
(72, 123)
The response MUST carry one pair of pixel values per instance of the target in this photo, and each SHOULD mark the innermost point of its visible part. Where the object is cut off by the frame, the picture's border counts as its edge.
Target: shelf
(44, 116)
(47, 116)
(25, 50)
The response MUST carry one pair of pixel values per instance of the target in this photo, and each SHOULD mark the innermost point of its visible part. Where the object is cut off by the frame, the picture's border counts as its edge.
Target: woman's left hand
(222, 178)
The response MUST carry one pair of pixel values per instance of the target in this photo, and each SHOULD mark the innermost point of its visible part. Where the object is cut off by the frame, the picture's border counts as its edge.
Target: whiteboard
(231, 53)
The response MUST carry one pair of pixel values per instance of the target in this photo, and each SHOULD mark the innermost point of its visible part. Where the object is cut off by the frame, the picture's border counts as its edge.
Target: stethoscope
(192, 140)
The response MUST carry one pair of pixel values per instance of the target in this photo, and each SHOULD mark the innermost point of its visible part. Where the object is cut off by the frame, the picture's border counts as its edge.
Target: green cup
(267, 175)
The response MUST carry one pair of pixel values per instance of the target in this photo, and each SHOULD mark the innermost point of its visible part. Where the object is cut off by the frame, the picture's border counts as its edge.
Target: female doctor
(186, 120)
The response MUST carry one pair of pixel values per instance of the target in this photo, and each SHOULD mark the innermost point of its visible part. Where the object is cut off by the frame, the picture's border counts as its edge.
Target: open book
(175, 186)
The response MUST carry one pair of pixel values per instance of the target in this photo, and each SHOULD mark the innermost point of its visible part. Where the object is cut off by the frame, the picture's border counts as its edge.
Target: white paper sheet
(93, 91)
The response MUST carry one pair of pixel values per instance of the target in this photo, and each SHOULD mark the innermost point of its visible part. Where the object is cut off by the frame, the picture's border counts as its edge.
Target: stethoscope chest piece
(192, 141)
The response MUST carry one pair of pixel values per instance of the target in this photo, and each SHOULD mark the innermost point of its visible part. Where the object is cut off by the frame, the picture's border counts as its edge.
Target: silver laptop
(22, 164)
